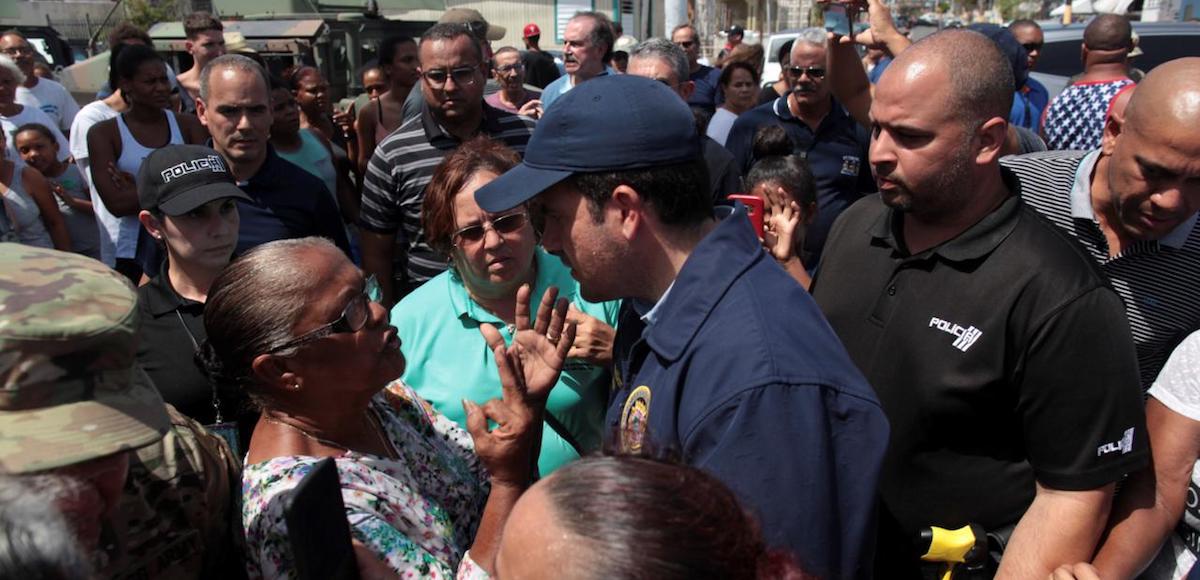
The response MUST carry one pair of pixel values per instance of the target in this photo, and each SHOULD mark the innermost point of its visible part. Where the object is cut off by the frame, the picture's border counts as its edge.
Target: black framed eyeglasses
(1032, 46)
(463, 75)
(505, 224)
(354, 317)
(813, 72)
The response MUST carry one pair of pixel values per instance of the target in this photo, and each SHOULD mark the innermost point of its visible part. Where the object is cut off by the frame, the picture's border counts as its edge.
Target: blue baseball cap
(614, 122)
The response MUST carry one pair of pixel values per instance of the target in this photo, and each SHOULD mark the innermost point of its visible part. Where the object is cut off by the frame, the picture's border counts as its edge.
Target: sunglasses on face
(463, 75)
(1032, 46)
(505, 224)
(353, 318)
(686, 43)
(813, 72)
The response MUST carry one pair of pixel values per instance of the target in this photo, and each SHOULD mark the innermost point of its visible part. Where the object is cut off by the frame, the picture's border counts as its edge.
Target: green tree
(146, 13)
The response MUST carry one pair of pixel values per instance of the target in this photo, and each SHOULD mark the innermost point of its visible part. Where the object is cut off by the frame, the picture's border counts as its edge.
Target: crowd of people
(637, 317)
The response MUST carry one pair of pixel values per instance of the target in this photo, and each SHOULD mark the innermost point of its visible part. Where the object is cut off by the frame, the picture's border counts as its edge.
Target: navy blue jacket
(741, 375)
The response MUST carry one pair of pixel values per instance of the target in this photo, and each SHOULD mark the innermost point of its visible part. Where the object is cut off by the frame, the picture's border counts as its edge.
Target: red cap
(531, 29)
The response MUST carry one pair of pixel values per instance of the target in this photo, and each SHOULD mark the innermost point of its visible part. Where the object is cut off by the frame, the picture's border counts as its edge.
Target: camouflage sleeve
(221, 476)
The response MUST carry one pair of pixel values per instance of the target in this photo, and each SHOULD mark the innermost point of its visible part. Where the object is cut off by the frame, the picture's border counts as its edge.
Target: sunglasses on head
(813, 72)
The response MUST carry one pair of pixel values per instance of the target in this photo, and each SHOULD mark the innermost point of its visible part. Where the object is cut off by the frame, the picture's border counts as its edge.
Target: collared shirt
(172, 327)
(562, 84)
(401, 168)
(1157, 280)
(289, 202)
(1028, 103)
(761, 395)
(979, 350)
(448, 359)
(1074, 120)
(836, 153)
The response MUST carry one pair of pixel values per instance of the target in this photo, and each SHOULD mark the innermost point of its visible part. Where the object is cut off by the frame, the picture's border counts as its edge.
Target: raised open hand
(539, 344)
(781, 228)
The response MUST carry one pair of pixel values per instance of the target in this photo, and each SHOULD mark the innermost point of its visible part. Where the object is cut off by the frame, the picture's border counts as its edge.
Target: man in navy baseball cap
(719, 355)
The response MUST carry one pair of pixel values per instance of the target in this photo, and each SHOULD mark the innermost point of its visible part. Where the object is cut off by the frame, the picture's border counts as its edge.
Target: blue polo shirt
(289, 202)
(448, 359)
(740, 374)
(836, 153)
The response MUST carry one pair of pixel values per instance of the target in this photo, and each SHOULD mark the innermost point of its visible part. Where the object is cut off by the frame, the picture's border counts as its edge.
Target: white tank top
(132, 155)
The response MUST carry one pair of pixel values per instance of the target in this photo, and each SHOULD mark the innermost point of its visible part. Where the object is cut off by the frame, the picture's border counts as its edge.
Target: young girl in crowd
(785, 184)
(28, 214)
(39, 150)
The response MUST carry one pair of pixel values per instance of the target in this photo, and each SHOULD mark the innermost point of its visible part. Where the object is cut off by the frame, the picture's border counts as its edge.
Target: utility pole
(674, 13)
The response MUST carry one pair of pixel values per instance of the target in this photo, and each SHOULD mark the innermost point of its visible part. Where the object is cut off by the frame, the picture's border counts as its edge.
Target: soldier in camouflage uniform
(73, 402)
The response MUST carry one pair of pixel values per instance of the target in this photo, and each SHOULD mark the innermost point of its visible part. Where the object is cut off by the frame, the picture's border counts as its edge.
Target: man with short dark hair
(1032, 97)
(707, 94)
(666, 62)
(234, 104)
(205, 41)
(720, 356)
(1074, 120)
(821, 132)
(1132, 203)
(999, 353)
(587, 45)
(45, 94)
(540, 69)
(453, 72)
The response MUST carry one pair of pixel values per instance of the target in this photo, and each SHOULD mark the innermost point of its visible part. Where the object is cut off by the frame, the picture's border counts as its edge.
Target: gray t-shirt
(81, 225)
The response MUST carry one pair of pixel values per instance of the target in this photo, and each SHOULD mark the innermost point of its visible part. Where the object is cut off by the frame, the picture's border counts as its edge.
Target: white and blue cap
(610, 123)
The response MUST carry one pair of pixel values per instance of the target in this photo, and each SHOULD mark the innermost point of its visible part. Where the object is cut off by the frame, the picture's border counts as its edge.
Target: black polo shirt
(836, 153)
(171, 327)
(1001, 357)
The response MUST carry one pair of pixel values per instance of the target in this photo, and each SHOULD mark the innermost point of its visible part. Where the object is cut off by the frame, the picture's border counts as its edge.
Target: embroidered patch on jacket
(635, 418)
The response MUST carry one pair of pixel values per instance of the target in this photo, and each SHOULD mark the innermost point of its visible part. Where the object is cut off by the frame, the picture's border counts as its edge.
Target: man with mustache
(1133, 203)
(587, 45)
(289, 202)
(998, 351)
(821, 131)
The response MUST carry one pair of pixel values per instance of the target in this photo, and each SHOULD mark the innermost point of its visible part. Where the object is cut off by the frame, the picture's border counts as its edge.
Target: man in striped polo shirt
(1133, 205)
(453, 73)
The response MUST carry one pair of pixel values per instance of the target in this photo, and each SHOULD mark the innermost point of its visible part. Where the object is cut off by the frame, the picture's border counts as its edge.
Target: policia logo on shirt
(635, 417)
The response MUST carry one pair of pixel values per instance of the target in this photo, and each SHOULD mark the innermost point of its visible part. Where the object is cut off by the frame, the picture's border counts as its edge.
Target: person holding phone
(788, 195)
(820, 128)
(296, 325)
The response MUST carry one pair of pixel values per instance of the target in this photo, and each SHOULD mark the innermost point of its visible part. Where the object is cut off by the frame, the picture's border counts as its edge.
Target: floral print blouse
(417, 513)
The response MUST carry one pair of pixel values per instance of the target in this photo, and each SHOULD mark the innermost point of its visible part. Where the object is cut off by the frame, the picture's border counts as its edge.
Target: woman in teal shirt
(491, 257)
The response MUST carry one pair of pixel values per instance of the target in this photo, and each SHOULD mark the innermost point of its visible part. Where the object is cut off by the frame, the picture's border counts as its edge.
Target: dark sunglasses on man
(463, 75)
(813, 72)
